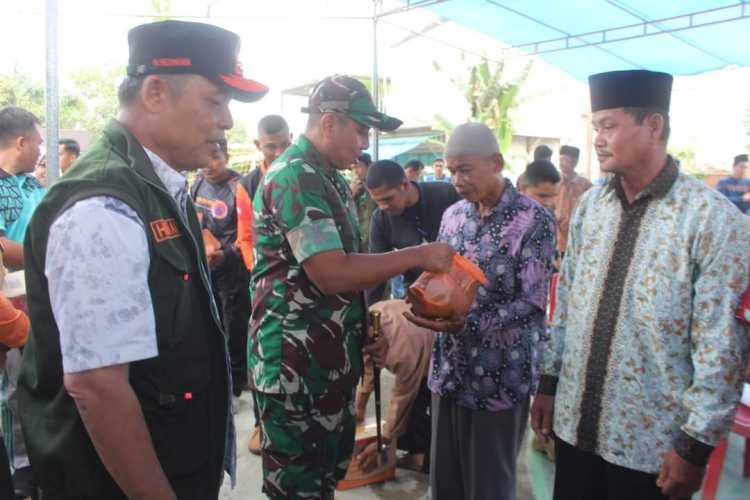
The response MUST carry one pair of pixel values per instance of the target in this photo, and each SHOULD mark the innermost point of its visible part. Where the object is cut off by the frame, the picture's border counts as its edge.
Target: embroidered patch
(164, 229)
(217, 208)
(172, 62)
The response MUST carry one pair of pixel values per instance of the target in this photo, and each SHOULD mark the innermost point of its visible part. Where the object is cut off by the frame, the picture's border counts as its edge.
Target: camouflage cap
(348, 95)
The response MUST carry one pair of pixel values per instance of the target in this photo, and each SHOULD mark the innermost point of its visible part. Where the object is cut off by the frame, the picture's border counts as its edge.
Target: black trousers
(200, 486)
(581, 475)
(416, 438)
(231, 289)
(6, 483)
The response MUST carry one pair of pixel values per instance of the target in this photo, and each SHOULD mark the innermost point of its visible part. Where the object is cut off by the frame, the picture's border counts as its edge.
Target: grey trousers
(11, 422)
(473, 455)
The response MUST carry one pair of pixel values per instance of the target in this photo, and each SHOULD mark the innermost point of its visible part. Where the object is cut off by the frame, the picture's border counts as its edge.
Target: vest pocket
(177, 412)
(175, 285)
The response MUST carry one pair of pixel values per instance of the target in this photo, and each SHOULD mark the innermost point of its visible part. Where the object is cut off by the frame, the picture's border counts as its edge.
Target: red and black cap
(180, 47)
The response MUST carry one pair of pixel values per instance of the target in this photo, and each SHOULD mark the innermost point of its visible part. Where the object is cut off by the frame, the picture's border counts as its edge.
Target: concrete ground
(535, 473)
(406, 485)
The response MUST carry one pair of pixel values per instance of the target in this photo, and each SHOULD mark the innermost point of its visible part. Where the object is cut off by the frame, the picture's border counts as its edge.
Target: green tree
(238, 134)
(20, 90)
(88, 105)
(491, 95)
(162, 9)
(686, 156)
(92, 100)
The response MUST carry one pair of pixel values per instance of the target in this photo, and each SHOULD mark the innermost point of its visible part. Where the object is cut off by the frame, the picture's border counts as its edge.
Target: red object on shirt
(552, 297)
(743, 310)
(245, 237)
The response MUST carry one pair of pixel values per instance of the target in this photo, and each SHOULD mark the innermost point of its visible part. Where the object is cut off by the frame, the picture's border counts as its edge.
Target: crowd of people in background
(152, 305)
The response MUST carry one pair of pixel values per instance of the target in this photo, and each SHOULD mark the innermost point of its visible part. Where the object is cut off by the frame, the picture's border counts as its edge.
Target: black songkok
(630, 89)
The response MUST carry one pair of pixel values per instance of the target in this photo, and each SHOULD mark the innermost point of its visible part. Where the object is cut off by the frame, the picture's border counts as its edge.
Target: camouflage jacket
(365, 208)
(302, 341)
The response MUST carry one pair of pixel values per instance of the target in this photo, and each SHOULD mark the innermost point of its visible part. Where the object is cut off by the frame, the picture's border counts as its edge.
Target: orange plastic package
(447, 295)
(210, 242)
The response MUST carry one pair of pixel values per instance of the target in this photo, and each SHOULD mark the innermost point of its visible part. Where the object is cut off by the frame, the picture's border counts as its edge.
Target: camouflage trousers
(307, 443)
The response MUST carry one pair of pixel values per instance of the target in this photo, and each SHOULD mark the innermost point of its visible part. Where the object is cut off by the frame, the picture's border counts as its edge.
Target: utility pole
(52, 98)
(377, 4)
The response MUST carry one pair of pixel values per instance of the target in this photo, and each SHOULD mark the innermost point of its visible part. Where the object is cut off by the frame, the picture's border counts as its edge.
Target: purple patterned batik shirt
(494, 362)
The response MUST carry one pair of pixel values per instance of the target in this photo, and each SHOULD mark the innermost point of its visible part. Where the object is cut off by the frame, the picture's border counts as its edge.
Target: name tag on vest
(165, 229)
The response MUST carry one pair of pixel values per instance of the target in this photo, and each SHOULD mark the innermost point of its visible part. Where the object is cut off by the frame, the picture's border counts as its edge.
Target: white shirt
(97, 271)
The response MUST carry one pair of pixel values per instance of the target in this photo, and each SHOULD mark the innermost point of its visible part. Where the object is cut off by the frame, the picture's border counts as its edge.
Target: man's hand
(679, 478)
(215, 259)
(369, 458)
(12, 253)
(451, 325)
(746, 197)
(436, 257)
(102, 396)
(377, 350)
(542, 413)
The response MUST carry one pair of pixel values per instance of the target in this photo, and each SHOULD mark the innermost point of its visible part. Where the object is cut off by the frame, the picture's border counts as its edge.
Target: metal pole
(375, 86)
(52, 94)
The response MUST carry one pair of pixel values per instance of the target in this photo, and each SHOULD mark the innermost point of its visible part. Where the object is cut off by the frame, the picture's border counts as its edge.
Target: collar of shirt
(418, 208)
(313, 157)
(507, 199)
(316, 160)
(734, 180)
(658, 188)
(23, 177)
(174, 181)
(573, 179)
(263, 166)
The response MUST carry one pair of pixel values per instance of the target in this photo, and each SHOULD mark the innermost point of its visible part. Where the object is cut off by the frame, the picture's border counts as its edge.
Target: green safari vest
(184, 391)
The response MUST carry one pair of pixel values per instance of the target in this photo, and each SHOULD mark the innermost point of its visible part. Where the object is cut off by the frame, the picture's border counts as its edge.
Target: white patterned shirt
(645, 350)
(97, 271)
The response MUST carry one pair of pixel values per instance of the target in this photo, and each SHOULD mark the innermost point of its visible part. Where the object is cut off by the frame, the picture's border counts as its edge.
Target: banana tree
(491, 96)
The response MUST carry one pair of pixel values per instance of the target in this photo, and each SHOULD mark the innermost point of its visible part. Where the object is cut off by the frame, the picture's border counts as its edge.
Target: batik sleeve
(718, 340)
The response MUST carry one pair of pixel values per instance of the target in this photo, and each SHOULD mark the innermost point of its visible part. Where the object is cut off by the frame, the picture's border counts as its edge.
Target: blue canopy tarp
(590, 36)
(392, 147)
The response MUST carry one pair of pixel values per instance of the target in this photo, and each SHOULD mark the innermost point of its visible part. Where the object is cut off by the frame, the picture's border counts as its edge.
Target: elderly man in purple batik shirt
(485, 366)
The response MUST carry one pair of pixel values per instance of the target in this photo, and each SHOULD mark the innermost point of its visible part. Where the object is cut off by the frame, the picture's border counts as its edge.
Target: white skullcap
(472, 139)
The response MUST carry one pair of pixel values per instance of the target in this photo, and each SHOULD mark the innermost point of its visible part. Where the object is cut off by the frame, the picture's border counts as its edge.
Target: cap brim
(377, 120)
(244, 89)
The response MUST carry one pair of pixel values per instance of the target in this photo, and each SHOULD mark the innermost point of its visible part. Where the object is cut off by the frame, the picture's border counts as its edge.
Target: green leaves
(89, 104)
(19, 90)
(162, 9)
(491, 96)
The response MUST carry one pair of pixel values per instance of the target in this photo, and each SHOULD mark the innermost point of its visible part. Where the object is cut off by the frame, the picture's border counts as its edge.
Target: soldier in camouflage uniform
(365, 204)
(308, 317)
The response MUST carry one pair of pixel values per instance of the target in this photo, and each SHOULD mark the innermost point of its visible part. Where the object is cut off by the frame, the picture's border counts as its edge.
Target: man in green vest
(125, 383)
(309, 311)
